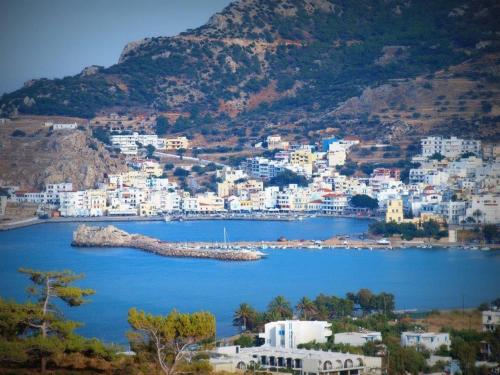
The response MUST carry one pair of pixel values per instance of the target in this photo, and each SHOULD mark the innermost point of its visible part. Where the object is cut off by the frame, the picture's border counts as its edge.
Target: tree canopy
(364, 201)
(169, 335)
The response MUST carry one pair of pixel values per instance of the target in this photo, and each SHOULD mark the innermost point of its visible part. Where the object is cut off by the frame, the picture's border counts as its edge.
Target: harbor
(110, 236)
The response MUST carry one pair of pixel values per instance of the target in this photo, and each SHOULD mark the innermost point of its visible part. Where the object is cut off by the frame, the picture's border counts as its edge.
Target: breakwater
(110, 236)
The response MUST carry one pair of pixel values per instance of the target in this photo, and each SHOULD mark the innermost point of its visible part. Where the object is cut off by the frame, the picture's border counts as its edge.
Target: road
(189, 158)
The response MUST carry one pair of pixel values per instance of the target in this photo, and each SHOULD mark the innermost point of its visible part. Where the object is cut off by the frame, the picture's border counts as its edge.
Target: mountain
(304, 65)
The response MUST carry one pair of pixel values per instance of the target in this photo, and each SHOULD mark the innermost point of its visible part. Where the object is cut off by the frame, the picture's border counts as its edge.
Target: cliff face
(42, 157)
(296, 60)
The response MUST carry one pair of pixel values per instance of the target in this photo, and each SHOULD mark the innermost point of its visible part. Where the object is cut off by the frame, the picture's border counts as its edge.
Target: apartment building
(334, 203)
(176, 143)
(128, 143)
(449, 147)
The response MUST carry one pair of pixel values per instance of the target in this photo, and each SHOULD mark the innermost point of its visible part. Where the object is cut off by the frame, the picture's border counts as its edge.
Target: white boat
(167, 218)
(383, 241)
(485, 248)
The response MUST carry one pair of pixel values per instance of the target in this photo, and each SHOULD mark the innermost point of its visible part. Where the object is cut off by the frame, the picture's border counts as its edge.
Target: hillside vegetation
(308, 63)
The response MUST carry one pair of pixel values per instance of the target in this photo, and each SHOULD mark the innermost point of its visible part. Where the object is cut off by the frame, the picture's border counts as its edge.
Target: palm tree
(244, 316)
(305, 308)
(279, 306)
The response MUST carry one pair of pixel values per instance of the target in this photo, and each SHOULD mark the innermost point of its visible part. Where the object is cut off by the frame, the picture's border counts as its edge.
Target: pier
(110, 236)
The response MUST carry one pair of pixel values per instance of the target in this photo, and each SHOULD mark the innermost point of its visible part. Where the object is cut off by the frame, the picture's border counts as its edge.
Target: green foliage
(181, 172)
(168, 336)
(18, 133)
(162, 125)
(245, 317)
(369, 302)
(490, 233)
(245, 341)
(343, 348)
(280, 309)
(150, 150)
(405, 360)
(305, 308)
(408, 231)
(323, 307)
(101, 134)
(287, 177)
(364, 201)
(437, 156)
(37, 331)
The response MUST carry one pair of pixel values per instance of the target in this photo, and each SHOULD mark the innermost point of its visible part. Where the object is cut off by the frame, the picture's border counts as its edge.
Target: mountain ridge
(288, 58)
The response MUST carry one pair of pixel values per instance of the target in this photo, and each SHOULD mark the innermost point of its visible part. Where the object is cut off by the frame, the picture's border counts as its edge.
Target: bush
(162, 125)
(181, 172)
(364, 201)
(288, 177)
(18, 133)
(245, 341)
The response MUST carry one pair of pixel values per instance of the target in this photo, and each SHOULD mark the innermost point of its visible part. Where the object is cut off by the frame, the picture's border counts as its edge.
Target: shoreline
(93, 219)
(333, 243)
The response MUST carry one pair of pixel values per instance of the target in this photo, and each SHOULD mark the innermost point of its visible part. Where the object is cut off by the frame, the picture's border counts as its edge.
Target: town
(452, 182)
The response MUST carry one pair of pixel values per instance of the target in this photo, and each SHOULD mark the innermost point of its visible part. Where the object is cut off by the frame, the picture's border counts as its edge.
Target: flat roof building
(357, 338)
(311, 362)
(291, 333)
(491, 320)
(426, 340)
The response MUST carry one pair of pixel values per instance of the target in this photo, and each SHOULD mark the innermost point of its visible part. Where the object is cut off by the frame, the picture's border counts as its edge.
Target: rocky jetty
(110, 236)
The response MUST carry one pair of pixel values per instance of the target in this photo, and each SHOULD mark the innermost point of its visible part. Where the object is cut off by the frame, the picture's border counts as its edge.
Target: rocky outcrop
(110, 236)
(43, 157)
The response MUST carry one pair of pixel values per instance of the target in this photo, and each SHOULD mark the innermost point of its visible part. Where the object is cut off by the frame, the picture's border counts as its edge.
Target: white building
(60, 126)
(357, 338)
(491, 320)
(484, 208)
(453, 212)
(52, 191)
(334, 203)
(337, 157)
(425, 340)
(310, 362)
(128, 143)
(82, 203)
(290, 333)
(449, 147)
(72, 203)
(262, 167)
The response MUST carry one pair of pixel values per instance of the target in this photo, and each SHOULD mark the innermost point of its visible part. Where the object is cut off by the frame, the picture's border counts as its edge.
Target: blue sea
(419, 278)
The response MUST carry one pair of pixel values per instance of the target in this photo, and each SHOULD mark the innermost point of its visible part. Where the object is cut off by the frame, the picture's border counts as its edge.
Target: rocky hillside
(299, 62)
(41, 156)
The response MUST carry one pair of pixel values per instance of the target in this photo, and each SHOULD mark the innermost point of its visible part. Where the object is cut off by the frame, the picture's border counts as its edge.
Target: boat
(485, 248)
(167, 218)
(383, 241)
